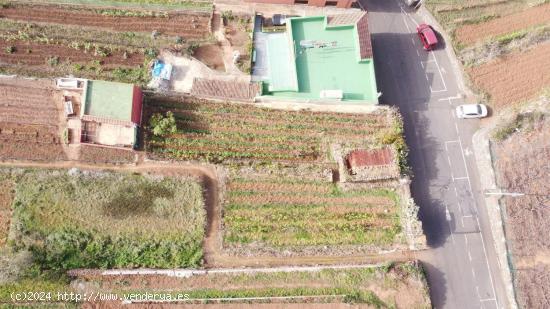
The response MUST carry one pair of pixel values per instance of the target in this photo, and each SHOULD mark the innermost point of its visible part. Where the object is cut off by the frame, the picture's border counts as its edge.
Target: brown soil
(29, 121)
(238, 36)
(469, 34)
(514, 78)
(106, 155)
(522, 166)
(36, 54)
(189, 25)
(211, 55)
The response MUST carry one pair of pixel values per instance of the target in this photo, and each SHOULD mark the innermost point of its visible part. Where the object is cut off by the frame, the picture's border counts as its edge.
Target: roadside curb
(482, 152)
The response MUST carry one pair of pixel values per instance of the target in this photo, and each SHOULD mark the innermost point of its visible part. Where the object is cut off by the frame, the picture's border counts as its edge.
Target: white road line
(487, 299)
(417, 53)
(457, 132)
(469, 256)
(450, 98)
(474, 273)
(456, 192)
(439, 70)
(467, 216)
(460, 208)
(429, 61)
(435, 91)
(413, 41)
(487, 261)
(426, 76)
(460, 178)
(405, 22)
(466, 239)
(422, 65)
(450, 142)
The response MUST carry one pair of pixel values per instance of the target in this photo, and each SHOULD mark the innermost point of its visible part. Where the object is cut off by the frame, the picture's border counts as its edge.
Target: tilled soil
(514, 78)
(189, 25)
(469, 34)
(523, 166)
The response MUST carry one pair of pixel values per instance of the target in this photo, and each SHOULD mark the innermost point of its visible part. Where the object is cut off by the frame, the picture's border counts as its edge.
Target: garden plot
(187, 24)
(226, 132)
(289, 214)
(95, 43)
(513, 78)
(536, 16)
(29, 121)
(97, 219)
(399, 285)
(522, 153)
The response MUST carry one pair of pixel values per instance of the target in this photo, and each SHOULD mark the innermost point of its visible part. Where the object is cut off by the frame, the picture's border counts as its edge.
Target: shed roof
(109, 100)
(364, 157)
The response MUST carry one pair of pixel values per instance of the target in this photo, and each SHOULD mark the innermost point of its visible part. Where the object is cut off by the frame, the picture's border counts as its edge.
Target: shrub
(10, 49)
(192, 48)
(52, 61)
(163, 125)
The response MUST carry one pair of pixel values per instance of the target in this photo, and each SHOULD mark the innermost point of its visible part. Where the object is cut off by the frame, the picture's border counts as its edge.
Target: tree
(163, 125)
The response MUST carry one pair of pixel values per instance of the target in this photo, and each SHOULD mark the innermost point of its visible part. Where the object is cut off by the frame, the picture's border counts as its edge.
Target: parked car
(427, 36)
(412, 3)
(471, 111)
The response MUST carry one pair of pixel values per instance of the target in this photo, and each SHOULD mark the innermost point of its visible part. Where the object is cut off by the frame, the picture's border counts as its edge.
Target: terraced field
(287, 213)
(29, 121)
(217, 132)
(94, 42)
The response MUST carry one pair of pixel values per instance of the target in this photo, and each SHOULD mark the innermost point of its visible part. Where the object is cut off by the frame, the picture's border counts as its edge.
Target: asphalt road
(462, 268)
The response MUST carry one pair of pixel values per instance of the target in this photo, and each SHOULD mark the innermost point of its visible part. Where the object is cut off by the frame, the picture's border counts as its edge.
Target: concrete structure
(320, 59)
(102, 113)
(320, 3)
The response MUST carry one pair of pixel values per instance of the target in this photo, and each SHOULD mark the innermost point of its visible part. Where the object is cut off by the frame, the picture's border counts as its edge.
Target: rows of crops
(46, 40)
(218, 132)
(280, 212)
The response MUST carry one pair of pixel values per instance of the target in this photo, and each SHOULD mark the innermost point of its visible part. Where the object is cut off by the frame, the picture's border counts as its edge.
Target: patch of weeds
(52, 61)
(520, 121)
(507, 38)
(192, 48)
(10, 49)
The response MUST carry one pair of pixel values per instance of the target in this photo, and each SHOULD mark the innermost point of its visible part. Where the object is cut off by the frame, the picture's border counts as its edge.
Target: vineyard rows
(283, 213)
(218, 132)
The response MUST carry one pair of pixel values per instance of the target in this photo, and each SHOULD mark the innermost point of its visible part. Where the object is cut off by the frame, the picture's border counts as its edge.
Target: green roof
(330, 68)
(109, 100)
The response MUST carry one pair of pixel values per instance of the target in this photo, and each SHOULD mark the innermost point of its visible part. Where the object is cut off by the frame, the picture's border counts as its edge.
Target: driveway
(462, 268)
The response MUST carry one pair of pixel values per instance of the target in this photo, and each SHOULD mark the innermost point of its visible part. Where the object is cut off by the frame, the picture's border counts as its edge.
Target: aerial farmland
(152, 147)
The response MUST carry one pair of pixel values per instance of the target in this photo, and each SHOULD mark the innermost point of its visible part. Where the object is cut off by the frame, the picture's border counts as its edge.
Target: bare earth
(469, 34)
(514, 78)
(523, 166)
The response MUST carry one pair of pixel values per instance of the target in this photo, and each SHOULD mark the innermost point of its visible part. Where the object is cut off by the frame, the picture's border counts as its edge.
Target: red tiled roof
(224, 89)
(365, 44)
(344, 19)
(360, 19)
(363, 157)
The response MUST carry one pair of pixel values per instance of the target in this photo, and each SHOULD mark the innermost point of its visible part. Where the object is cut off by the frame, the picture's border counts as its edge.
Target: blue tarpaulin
(157, 68)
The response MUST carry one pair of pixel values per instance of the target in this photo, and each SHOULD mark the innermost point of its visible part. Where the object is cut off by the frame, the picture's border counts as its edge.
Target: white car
(471, 111)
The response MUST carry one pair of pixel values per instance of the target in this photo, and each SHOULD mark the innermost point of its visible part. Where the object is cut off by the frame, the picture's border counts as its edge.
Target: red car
(427, 36)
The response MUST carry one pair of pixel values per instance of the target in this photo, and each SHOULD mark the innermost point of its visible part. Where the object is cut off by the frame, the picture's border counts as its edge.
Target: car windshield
(479, 109)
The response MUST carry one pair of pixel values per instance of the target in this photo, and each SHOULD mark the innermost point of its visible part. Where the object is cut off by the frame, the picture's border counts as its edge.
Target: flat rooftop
(109, 100)
(321, 53)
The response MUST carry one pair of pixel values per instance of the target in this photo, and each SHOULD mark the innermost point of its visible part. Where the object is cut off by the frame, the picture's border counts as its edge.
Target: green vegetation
(10, 49)
(298, 213)
(523, 121)
(507, 38)
(126, 13)
(225, 132)
(82, 219)
(162, 125)
(354, 285)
